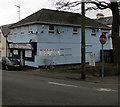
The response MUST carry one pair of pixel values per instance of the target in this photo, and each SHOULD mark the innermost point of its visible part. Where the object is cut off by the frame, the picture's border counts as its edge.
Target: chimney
(99, 15)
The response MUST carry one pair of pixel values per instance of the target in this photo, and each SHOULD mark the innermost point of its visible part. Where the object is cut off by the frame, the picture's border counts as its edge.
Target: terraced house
(52, 37)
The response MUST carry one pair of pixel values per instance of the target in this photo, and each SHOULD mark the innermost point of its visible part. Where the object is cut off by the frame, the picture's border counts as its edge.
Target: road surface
(20, 88)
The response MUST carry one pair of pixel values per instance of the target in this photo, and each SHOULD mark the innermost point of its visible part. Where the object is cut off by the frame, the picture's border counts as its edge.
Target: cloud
(9, 13)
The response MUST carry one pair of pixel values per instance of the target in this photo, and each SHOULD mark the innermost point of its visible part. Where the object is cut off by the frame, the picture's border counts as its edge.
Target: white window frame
(30, 30)
(51, 29)
(75, 31)
(94, 31)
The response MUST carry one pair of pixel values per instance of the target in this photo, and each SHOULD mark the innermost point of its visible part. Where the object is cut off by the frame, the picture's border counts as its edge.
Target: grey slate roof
(5, 29)
(46, 16)
(105, 20)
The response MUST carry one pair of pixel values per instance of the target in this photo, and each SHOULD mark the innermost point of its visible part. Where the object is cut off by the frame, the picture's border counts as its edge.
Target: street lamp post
(18, 6)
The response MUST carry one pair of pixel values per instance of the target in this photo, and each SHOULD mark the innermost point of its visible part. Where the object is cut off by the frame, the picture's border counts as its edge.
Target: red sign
(103, 39)
(20, 46)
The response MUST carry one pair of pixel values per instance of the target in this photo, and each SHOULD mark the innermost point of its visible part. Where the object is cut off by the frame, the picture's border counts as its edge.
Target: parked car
(10, 63)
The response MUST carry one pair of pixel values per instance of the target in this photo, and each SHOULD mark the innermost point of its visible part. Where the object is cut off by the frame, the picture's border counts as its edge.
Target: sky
(9, 12)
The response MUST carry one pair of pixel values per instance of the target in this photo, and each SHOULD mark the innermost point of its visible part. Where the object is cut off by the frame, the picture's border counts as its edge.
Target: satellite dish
(58, 30)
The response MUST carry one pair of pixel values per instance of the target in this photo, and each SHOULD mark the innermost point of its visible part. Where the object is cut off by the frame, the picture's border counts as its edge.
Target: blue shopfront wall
(60, 47)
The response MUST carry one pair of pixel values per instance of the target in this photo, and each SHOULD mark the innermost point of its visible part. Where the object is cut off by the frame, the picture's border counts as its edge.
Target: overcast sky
(9, 12)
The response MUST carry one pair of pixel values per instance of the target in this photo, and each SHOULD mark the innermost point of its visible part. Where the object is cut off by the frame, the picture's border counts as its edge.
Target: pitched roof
(105, 20)
(5, 29)
(46, 16)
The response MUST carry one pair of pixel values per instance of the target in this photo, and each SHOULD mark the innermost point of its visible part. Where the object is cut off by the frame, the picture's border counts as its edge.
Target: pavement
(72, 76)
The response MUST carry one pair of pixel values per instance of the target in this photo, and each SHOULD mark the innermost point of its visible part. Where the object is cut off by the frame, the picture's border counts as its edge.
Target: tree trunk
(115, 33)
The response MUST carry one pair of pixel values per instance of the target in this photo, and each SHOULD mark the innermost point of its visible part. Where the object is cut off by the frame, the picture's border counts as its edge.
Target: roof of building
(5, 29)
(105, 20)
(46, 16)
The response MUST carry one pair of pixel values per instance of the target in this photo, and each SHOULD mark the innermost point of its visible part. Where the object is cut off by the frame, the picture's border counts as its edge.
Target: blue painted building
(51, 37)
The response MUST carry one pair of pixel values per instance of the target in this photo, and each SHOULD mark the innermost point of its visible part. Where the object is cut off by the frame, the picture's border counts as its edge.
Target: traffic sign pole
(102, 41)
(102, 62)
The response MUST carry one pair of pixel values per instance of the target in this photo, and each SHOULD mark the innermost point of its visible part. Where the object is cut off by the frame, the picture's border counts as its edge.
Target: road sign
(103, 39)
(92, 60)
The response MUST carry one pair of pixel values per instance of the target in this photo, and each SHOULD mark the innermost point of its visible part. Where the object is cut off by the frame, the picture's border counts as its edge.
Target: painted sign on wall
(49, 52)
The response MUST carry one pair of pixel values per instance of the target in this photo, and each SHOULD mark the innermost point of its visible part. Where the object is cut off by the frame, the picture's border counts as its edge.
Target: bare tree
(96, 4)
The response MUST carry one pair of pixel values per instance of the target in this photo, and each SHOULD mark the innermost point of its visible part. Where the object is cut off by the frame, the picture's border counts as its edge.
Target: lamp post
(18, 6)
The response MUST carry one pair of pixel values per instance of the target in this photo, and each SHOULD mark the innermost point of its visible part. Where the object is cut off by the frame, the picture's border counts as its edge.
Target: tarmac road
(19, 88)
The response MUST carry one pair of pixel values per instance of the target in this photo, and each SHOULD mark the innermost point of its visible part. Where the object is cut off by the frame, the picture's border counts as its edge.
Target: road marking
(98, 89)
(61, 84)
(105, 89)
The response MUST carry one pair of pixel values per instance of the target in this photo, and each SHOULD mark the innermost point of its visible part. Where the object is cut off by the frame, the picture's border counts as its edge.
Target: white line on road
(61, 84)
(98, 89)
(105, 89)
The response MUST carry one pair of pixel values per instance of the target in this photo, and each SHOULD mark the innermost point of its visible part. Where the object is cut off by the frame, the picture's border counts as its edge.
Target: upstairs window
(30, 29)
(15, 31)
(51, 29)
(75, 30)
(94, 31)
(11, 32)
(22, 30)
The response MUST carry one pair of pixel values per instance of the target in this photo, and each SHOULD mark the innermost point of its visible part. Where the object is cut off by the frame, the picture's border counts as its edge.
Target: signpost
(92, 60)
(103, 41)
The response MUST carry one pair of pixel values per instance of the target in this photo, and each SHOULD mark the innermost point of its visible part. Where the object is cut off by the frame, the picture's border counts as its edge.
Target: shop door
(22, 57)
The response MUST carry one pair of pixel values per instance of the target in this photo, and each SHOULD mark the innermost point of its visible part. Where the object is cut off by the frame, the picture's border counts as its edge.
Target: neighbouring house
(4, 32)
(106, 21)
(52, 37)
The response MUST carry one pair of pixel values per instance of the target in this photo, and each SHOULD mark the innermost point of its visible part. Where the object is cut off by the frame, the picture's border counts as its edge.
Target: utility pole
(83, 41)
(18, 6)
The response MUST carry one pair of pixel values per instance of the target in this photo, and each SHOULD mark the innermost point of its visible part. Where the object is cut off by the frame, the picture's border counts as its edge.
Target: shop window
(51, 29)
(28, 53)
(75, 30)
(15, 52)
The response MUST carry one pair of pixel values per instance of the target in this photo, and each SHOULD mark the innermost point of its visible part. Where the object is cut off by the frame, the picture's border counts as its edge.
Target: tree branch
(101, 5)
